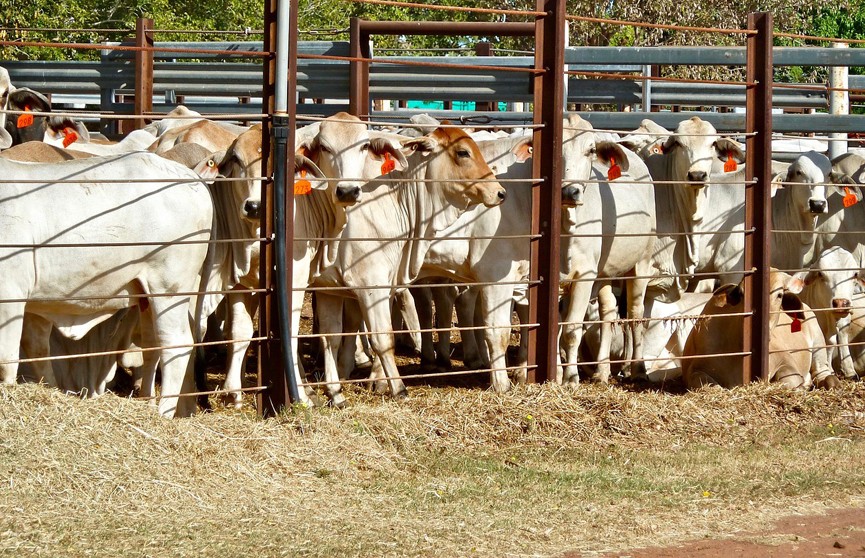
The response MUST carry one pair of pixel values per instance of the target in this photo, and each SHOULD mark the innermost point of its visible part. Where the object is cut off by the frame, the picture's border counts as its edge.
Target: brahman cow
(56, 272)
(608, 232)
(422, 195)
(797, 353)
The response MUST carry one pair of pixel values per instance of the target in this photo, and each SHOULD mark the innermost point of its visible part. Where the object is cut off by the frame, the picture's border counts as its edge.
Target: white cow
(444, 175)
(596, 212)
(75, 288)
(830, 286)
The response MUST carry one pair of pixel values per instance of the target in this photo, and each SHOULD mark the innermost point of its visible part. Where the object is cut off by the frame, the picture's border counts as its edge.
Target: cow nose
(502, 194)
(840, 303)
(252, 209)
(697, 176)
(347, 194)
(572, 195)
(817, 206)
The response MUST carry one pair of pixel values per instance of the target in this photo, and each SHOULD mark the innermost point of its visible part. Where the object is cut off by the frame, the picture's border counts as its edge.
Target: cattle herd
(123, 250)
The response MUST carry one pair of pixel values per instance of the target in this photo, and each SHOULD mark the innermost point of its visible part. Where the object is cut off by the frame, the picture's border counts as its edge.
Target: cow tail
(198, 329)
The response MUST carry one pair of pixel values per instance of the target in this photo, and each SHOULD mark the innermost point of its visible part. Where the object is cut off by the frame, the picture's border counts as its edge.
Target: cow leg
(466, 303)
(495, 301)
(572, 328)
(636, 313)
(375, 305)
(241, 309)
(409, 312)
(444, 298)
(144, 377)
(608, 313)
(423, 305)
(36, 342)
(351, 322)
(521, 371)
(842, 339)
(329, 309)
(11, 329)
(170, 317)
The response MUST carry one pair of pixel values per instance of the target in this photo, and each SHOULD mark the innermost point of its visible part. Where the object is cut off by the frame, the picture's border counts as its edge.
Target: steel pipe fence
(544, 284)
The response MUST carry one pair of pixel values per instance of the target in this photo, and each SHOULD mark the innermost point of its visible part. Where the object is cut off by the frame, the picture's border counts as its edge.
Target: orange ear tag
(615, 170)
(849, 197)
(388, 164)
(796, 326)
(25, 120)
(730, 164)
(71, 136)
(302, 186)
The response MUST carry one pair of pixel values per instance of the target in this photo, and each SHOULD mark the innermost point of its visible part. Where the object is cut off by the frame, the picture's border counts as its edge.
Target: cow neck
(317, 216)
(785, 216)
(235, 257)
(427, 212)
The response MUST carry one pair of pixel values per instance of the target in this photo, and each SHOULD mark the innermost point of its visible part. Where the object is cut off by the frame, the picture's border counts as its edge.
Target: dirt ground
(837, 533)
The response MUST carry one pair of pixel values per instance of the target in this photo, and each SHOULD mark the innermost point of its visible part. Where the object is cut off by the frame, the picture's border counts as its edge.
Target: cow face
(813, 171)
(832, 281)
(580, 149)
(25, 99)
(344, 149)
(783, 296)
(691, 151)
(646, 141)
(453, 159)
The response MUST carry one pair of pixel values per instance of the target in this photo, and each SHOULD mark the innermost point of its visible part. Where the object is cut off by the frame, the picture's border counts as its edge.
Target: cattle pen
(554, 80)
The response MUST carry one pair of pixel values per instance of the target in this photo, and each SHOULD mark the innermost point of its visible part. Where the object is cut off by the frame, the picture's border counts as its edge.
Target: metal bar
(355, 83)
(269, 356)
(549, 101)
(143, 69)
(758, 201)
(470, 28)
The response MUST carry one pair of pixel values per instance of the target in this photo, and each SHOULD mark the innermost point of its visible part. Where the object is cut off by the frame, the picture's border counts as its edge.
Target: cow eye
(593, 150)
(365, 147)
(463, 154)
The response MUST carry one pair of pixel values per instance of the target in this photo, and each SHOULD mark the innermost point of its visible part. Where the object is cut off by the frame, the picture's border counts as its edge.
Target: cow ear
(523, 150)
(304, 164)
(378, 147)
(608, 151)
(794, 285)
(26, 97)
(841, 178)
(208, 168)
(809, 277)
(722, 295)
(424, 144)
(62, 126)
(792, 306)
(727, 148)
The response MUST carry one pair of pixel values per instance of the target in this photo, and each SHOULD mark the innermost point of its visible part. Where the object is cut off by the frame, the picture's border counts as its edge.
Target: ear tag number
(302, 186)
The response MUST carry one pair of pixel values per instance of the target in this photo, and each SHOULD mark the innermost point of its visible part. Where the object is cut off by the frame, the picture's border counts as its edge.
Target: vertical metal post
(839, 103)
(143, 69)
(547, 198)
(358, 103)
(758, 197)
(484, 48)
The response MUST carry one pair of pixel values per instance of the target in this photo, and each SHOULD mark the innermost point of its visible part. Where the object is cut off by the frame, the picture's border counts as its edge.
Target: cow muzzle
(252, 209)
(817, 206)
(698, 176)
(348, 194)
(572, 196)
(841, 307)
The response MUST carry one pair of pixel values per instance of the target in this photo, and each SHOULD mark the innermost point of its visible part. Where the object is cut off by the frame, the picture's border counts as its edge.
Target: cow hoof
(502, 387)
(829, 382)
(401, 394)
(600, 378)
(338, 401)
(380, 387)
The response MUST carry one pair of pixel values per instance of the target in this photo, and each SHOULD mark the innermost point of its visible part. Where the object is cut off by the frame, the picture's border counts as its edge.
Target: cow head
(784, 292)
(646, 141)
(344, 150)
(453, 161)
(27, 100)
(832, 281)
(62, 130)
(580, 150)
(691, 151)
(813, 171)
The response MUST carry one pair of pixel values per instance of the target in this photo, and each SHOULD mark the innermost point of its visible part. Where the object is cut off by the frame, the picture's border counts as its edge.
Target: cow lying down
(797, 353)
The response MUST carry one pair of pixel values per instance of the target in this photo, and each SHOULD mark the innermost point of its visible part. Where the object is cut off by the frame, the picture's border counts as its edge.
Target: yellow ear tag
(615, 170)
(70, 137)
(25, 120)
(849, 197)
(388, 164)
(302, 186)
(730, 164)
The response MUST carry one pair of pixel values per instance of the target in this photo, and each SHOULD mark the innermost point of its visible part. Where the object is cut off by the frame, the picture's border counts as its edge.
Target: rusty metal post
(758, 197)
(358, 98)
(549, 100)
(143, 69)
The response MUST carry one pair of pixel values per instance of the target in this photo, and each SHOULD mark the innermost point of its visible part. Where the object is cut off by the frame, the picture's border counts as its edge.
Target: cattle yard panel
(548, 99)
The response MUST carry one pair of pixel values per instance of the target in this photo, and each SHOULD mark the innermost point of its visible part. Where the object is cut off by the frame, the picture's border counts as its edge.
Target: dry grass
(449, 472)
